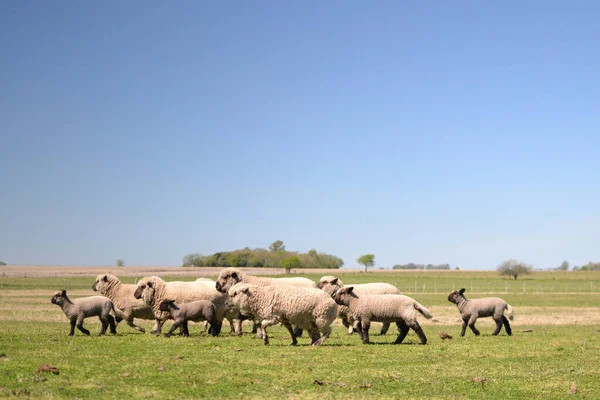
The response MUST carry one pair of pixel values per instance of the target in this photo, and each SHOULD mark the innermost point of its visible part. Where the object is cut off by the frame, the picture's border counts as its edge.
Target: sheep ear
(461, 291)
(334, 281)
(246, 290)
(234, 276)
(150, 284)
(349, 289)
(63, 293)
(105, 278)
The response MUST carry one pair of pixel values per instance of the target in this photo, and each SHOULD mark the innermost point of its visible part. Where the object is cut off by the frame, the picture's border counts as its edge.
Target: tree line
(276, 256)
(421, 266)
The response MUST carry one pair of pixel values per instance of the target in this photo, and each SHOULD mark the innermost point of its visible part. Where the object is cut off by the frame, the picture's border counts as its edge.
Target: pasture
(555, 347)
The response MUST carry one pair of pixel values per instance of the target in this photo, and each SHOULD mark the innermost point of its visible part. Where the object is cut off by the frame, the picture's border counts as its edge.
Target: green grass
(540, 364)
(537, 365)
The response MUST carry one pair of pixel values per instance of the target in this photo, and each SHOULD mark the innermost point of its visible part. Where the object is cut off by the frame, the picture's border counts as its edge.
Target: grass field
(556, 343)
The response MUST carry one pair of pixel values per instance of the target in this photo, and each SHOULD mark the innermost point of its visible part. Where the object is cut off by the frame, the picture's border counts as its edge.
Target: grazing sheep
(79, 309)
(154, 290)
(306, 308)
(196, 311)
(470, 310)
(330, 284)
(231, 276)
(121, 295)
(383, 308)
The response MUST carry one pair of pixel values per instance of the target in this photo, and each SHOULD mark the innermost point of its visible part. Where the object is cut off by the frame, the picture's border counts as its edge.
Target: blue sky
(430, 132)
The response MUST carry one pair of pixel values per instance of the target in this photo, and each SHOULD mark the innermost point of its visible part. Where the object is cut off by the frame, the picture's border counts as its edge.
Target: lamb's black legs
(507, 326)
(403, 329)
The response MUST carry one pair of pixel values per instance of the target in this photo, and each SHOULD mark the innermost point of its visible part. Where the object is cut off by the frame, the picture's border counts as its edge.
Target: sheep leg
(72, 331)
(134, 326)
(80, 326)
(464, 327)
(365, 325)
(472, 326)
(184, 329)
(298, 332)
(498, 322)
(288, 326)
(506, 326)
(216, 326)
(359, 330)
(384, 328)
(113, 325)
(104, 325)
(403, 331)
(315, 335)
(419, 331)
(238, 327)
(153, 330)
(158, 327)
(173, 327)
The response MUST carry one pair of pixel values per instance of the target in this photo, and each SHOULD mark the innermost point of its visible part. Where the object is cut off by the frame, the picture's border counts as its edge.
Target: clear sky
(431, 132)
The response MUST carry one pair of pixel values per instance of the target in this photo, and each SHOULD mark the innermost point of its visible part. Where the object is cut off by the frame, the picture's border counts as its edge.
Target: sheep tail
(511, 313)
(426, 313)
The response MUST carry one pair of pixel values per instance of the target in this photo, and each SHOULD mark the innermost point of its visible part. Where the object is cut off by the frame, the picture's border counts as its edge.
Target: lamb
(79, 309)
(199, 310)
(383, 308)
(154, 290)
(231, 312)
(306, 308)
(231, 276)
(330, 284)
(470, 310)
(121, 295)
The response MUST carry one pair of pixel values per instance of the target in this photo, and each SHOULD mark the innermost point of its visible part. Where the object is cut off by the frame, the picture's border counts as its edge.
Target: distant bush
(421, 266)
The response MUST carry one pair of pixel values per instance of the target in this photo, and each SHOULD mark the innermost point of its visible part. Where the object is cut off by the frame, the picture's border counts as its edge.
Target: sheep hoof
(319, 342)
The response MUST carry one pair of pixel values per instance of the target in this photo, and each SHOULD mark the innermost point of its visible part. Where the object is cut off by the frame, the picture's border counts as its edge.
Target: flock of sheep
(296, 303)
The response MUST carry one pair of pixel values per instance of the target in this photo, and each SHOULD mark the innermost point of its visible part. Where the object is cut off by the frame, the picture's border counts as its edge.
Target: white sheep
(396, 308)
(470, 310)
(195, 311)
(231, 276)
(79, 309)
(154, 290)
(306, 308)
(330, 284)
(121, 294)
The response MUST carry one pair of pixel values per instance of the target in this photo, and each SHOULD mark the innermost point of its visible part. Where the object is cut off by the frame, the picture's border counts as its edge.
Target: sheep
(470, 310)
(199, 310)
(231, 312)
(396, 308)
(330, 284)
(154, 290)
(230, 276)
(79, 309)
(306, 308)
(121, 295)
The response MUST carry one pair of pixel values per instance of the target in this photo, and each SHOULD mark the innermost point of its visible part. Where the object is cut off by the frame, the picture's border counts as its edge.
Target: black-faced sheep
(121, 295)
(470, 310)
(79, 309)
(306, 308)
(330, 284)
(383, 308)
(196, 311)
(154, 290)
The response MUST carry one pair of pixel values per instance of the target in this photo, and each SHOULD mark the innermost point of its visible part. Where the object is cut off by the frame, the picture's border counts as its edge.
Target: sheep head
(103, 282)
(166, 305)
(59, 297)
(146, 289)
(455, 295)
(227, 278)
(344, 295)
(240, 294)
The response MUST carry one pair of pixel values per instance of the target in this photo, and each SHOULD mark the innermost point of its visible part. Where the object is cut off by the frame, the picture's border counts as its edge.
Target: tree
(514, 268)
(2, 263)
(277, 246)
(564, 266)
(291, 262)
(368, 260)
(120, 263)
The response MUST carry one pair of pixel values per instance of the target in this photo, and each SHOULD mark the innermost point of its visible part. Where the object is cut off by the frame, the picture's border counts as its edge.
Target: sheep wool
(121, 295)
(79, 309)
(389, 308)
(153, 290)
(330, 284)
(305, 308)
(470, 310)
